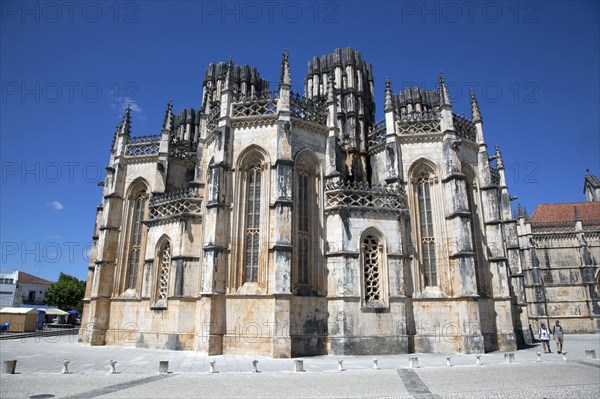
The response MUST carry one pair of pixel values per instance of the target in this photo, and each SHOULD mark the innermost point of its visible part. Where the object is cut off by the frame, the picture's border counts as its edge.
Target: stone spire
(168, 120)
(519, 210)
(332, 114)
(475, 112)
(125, 126)
(388, 95)
(330, 89)
(228, 85)
(444, 96)
(499, 162)
(284, 76)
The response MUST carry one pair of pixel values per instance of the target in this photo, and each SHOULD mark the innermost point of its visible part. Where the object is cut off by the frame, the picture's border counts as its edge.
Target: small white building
(18, 288)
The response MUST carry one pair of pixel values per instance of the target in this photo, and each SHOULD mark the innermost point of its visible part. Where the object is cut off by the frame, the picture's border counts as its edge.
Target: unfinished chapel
(284, 224)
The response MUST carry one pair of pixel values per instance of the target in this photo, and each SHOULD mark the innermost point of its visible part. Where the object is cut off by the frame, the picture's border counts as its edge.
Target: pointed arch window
(476, 234)
(138, 211)
(163, 269)
(371, 268)
(252, 229)
(307, 277)
(374, 270)
(303, 225)
(425, 217)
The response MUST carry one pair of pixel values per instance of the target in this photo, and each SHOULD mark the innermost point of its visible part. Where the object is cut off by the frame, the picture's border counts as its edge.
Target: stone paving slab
(509, 381)
(39, 363)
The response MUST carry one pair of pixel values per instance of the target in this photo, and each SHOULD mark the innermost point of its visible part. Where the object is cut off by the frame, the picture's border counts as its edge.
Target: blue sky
(68, 68)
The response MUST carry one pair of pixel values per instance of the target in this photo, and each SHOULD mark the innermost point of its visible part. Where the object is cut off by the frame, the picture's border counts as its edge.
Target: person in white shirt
(545, 338)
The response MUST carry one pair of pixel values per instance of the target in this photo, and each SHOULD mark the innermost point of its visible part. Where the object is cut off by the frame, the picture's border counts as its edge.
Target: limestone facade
(272, 223)
(561, 248)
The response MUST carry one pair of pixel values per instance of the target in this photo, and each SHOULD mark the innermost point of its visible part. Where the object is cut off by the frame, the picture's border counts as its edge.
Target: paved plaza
(40, 362)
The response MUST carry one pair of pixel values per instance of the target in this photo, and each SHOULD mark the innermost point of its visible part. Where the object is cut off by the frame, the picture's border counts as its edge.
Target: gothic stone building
(272, 223)
(561, 248)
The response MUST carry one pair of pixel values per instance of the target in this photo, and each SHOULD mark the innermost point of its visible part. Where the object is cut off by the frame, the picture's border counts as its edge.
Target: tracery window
(303, 225)
(138, 210)
(476, 233)
(307, 273)
(371, 255)
(252, 229)
(163, 264)
(426, 231)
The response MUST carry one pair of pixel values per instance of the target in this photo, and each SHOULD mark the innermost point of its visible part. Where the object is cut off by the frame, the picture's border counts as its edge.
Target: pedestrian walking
(558, 332)
(544, 335)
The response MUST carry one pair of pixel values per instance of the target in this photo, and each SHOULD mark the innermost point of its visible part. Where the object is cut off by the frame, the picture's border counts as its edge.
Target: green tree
(67, 293)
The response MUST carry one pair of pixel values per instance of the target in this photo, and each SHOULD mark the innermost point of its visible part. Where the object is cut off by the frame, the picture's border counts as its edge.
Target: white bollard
(448, 362)
(413, 362)
(539, 357)
(65, 369)
(298, 365)
(211, 369)
(255, 366)
(340, 365)
(590, 354)
(163, 367)
(564, 356)
(113, 367)
(375, 365)
(478, 360)
(10, 366)
(509, 357)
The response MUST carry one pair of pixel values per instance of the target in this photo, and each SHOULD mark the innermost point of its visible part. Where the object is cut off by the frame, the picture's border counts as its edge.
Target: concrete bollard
(340, 365)
(448, 362)
(375, 365)
(10, 366)
(539, 357)
(564, 356)
(255, 366)
(163, 367)
(211, 369)
(478, 360)
(590, 354)
(65, 369)
(509, 357)
(298, 365)
(113, 367)
(413, 362)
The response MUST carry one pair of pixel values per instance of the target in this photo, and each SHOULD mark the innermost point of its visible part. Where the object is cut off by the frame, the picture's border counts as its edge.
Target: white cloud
(123, 102)
(56, 205)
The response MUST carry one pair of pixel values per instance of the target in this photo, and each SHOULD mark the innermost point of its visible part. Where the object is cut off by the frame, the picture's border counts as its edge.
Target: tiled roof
(564, 215)
(27, 278)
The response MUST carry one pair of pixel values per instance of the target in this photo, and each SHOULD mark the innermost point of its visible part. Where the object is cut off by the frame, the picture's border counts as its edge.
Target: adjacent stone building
(561, 248)
(272, 223)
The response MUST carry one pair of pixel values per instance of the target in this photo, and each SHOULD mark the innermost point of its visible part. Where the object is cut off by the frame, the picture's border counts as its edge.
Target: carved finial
(499, 162)
(168, 120)
(228, 83)
(475, 112)
(444, 96)
(125, 126)
(330, 88)
(388, 106)
(285, 76)
(519, 210)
